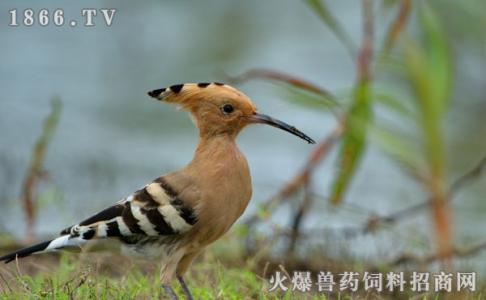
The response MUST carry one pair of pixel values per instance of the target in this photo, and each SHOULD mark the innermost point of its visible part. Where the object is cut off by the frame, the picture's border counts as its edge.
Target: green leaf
(437, 57)
(429, 71)
(354, 140)
(428, 66)
(328, 18)
(416, 68)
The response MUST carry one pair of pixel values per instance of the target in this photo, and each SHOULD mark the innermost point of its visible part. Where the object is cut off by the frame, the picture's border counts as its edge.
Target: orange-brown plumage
(174, 217)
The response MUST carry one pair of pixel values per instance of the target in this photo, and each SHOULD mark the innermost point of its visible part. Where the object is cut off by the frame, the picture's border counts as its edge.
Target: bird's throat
(219, 148)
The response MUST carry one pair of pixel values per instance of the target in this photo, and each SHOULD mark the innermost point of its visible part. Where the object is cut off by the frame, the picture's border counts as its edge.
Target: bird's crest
(184, 94)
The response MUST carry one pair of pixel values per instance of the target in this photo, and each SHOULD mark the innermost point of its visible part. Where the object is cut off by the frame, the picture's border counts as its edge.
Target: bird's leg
(168, 289)
(186, 290)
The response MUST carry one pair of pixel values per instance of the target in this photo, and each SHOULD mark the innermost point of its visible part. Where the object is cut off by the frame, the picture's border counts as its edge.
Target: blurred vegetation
(418, 58)
(36, 171)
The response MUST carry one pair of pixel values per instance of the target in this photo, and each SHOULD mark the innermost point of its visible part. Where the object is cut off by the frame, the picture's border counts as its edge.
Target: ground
(221, 273)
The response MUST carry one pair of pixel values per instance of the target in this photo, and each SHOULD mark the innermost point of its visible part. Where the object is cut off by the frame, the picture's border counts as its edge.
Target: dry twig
(282, 77)
(299, 217)
(292, 80)
(456, 252)
(397, 26)
(456, 186)
(35, 171)
(374, 221)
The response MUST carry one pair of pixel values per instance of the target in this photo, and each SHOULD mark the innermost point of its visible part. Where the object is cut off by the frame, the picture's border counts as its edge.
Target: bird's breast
(227, 190)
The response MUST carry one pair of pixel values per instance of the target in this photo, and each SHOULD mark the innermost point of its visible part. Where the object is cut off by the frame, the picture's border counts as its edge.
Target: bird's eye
(227, 108)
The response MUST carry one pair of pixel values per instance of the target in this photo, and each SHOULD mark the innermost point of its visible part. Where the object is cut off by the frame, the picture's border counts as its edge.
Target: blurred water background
(112, 138)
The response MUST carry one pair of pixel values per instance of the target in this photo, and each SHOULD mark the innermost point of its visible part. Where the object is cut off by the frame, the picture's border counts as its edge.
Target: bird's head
(219, 109)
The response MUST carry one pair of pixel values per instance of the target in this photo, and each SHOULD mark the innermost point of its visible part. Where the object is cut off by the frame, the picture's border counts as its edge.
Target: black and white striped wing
(155, 210)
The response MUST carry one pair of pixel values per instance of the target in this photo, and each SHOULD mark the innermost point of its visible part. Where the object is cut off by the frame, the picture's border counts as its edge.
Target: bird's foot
(169, 291)
(185, 289)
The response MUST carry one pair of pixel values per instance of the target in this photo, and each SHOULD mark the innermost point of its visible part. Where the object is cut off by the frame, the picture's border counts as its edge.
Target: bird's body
(173, 218)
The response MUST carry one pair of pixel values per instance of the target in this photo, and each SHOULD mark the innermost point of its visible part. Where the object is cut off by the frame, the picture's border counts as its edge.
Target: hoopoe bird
(177, 215)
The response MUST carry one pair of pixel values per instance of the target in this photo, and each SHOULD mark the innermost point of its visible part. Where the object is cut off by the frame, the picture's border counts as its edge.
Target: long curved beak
(264, 119)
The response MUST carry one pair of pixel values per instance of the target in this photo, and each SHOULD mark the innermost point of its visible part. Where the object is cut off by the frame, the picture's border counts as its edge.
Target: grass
(108, 276)
(223, 272)
(111, 276)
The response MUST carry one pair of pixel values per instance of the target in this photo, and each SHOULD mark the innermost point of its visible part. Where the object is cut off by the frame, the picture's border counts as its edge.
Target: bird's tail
(47, 246)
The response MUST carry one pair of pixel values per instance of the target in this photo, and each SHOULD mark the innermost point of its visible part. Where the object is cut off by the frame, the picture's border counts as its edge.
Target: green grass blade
(354, 139)
(428, 66)
(437, 57)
